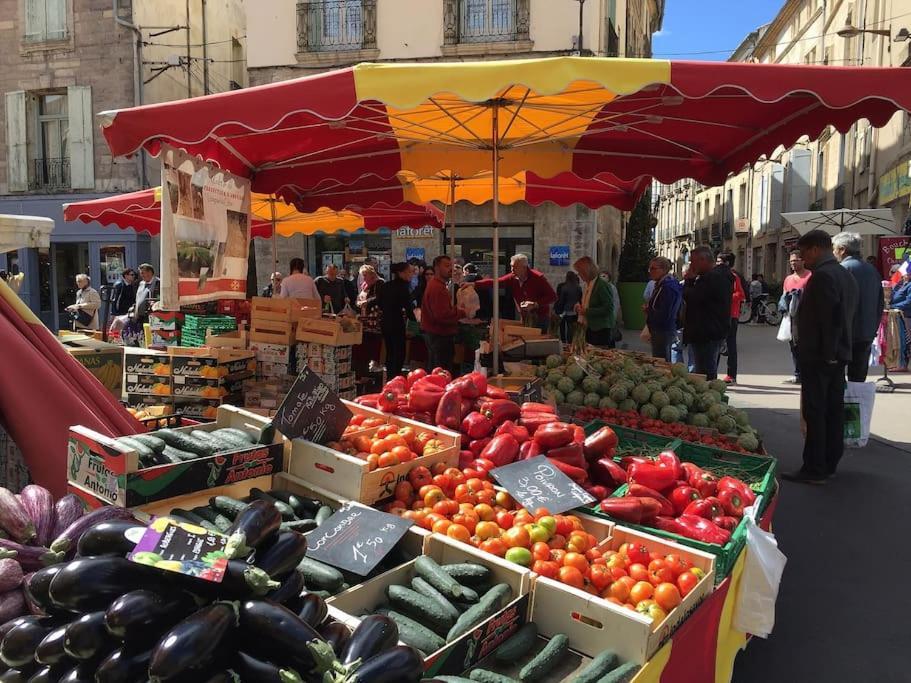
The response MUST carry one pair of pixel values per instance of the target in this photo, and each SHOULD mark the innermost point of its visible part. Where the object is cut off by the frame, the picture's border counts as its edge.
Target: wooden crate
(272, 331)
(284, 310)
(232, 340)
(329, 332)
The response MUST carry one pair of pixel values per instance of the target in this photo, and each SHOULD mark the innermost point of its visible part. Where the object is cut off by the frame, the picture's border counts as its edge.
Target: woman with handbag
(88, 301)
(596, 310)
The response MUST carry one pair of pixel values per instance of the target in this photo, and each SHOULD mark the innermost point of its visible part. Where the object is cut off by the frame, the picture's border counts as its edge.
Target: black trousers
(440, 351)
(600, 338)
(860, 361)
(795, 359)
(567, 328)
(732, 348)
(395, 351)
(661, 343)
(822, 397)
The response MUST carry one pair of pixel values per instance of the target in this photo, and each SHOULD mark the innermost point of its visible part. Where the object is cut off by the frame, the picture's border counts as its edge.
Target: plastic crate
(635, 439)
(756, 470)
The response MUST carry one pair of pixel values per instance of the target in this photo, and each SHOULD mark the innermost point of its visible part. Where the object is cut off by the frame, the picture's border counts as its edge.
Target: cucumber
(449, 679)
(301, 526)
(485, 676)
(237, 433)
(414, 634)
(467, 573)
(206, 437)
(144, 452)
(229, 441)
(320, 576)
(519, 643)
(304, 508)
(420, 607)
(598, 667)
(421, 586)
(210, 515)
(432, 573)
(149, 440)
(487, 606)
(622, 674)
(545, 660)
(324, 513)
(196, 519)
(176, 455)
(286, 510)
(229, 507)
(266, 435)
(184, 442)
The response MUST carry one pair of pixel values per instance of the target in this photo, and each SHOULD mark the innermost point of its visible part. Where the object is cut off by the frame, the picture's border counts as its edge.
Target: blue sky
(709, 29)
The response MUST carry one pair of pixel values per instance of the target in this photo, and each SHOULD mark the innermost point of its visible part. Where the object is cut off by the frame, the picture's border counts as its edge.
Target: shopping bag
(859, 397)
(784, 330)
(646, 334)
(754, 611)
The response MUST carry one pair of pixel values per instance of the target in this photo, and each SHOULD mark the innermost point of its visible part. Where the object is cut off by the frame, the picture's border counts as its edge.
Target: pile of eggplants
(103, 618)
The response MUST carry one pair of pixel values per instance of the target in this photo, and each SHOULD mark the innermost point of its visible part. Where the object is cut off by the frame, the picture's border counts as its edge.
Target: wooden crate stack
(273, 326)
(325, 346)
(203, 379)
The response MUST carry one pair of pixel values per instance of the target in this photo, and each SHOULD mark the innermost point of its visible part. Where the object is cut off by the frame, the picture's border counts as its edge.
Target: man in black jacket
(825, 330)
(707, 317)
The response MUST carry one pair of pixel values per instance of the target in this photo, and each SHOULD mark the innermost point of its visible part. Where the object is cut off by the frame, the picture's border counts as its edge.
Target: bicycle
(763, 309)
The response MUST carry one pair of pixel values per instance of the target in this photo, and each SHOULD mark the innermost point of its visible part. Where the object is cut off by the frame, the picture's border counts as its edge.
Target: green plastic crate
(756, 470)
(635, 441)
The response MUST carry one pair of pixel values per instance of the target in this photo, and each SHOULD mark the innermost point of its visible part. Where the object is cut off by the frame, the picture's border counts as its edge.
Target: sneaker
(800, 477)
(730, 380)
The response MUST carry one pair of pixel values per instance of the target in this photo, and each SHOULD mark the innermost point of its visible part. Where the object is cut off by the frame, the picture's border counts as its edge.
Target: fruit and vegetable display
(172, 446)
(618, 381)
(382, 444)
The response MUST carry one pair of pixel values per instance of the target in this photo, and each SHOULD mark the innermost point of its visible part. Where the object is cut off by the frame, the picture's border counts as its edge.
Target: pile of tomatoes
(382, 444)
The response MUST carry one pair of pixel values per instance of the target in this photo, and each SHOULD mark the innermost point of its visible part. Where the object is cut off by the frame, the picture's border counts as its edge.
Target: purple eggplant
(12, 605)
(94, 583)
(336, 634)
(66, 511)
(31, 557)
(66, 541)
(50, 650)
(255, 526)
(18, 646)
(39, 504)
(400, 664)
(313, 611)
(140, 617)
(36, 587)
(375, 634)
(117, 537)
(87, 638)
(190, 649)
(10, 575)
(283, 555)
(252, 669)
(123, 665)
(8, 626)
(14, 518)
(290, 592)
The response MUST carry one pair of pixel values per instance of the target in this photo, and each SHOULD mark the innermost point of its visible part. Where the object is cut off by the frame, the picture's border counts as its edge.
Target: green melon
(590, 384)
(591, 400)
(575, 372)
(669, 414)
(660, 399)
(607, 402)
(575, 398)
(554, 361)
(648, 411)
(566, 385)
(628, 405)
(619, 392)
(641, 394)
(748, 441)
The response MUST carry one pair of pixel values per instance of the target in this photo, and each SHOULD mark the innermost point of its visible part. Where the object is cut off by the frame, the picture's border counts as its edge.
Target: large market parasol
(634, 118)
(861, 221)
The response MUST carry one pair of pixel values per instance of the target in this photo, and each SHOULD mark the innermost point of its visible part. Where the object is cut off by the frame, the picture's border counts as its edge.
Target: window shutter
(35, 20)
(82, 149)
(16, 156)
(56, 19)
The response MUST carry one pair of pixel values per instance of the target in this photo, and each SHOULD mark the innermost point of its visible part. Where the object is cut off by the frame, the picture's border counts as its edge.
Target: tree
(639, 246)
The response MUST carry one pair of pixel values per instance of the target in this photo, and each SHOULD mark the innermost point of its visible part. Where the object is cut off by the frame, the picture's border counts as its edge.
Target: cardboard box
(148, 385)
(110, 471)
(463, 652)
(143, 401)
(103, 360)
(592, 622)
(272, 353)
(200, 387)
(273, 369)
(168, 321)
(331, 332)
(137, 361)
(349, 476)
(272, 331)
(211, 363)
(338, 382)
(200, 409)
(329, 367)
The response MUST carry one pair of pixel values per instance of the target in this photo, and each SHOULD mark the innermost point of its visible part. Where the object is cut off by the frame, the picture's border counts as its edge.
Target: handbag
(82, 317)
(616, 335)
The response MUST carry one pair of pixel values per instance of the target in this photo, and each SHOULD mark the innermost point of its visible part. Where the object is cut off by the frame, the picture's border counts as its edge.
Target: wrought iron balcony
(485, 21)
(50, 174)
(336, 25)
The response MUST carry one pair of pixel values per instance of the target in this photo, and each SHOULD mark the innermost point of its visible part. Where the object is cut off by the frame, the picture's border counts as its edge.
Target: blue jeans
(661, 344)
(677, 349)
(705, 358)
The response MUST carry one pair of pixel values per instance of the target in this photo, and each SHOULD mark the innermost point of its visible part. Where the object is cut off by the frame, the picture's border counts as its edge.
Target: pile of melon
(622, 383)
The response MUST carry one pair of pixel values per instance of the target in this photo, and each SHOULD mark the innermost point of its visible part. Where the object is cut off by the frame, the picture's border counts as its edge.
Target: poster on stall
(205, 231)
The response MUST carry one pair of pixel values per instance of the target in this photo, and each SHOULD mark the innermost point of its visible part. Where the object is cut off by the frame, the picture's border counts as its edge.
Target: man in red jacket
(439, 318)
(529, 289)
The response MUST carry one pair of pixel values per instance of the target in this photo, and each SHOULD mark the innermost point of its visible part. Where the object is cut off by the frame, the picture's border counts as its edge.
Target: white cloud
(663, 33)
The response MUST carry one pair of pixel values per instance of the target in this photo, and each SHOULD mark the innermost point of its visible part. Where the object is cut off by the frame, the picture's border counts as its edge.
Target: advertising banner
(205, 231)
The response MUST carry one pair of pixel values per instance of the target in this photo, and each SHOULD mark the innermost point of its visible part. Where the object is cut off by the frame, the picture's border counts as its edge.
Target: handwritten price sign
(311, 411)
(535, 483)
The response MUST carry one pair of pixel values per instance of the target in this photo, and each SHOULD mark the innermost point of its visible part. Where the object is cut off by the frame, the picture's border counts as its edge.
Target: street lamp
(850, 31)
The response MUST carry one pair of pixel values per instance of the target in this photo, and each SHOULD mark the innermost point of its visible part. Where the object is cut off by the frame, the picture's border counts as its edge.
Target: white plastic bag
(646, 334)
(468, 300)
(754, 611)
(859, 398)
(784, 330)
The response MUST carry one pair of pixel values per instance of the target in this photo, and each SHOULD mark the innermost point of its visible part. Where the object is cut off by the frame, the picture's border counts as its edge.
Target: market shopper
(825, 345)
(596, 309)
(298, 285)
(569, 293)
(426, 275)
(274, 287)
(485, 312)
(350, 285)
(789, 305)
(85, 310)
(707, 318)
(371, 282)
(662, 307)
(148, 291)
(725, 262)
(396, 307)
(616, 334)
(439, 318)
(332, 288)
(123, 295)
(529, 289)
(847, 246)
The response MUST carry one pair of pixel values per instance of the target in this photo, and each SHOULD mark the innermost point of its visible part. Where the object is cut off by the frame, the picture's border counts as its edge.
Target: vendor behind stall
(529, 288)
(439, 318)
(332, 288)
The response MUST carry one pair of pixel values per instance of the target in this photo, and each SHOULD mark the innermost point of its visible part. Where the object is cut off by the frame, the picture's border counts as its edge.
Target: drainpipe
(137, 80)
(874, 142)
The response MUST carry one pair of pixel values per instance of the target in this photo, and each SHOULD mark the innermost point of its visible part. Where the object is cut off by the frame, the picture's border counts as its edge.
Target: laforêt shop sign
(535, 483)
(414, 233)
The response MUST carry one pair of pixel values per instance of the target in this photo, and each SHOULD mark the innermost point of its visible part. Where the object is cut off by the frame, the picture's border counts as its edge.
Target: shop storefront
(351, 251)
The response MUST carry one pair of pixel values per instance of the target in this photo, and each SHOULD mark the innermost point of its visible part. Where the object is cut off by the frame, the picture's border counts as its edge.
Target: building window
(51, 152)
(333, 25)
(45, 20)
(485, 21)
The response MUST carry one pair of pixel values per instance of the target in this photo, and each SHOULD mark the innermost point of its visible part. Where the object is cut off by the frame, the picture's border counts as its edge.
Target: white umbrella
(861, 221)
(22, 232)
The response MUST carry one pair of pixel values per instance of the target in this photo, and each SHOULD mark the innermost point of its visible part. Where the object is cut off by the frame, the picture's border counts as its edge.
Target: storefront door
(69, 259)
(474, 244)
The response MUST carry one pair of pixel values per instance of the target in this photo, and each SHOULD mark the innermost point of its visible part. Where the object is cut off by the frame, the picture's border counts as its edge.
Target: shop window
(45, 20)
(332, 25)
(485, 21)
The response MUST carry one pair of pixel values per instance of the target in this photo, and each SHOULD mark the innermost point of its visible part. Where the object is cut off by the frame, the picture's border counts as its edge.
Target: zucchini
(420, 607)
(421, 586)
(221, 522)
(468, 573)
(149, 440)
(255, 526)
(235, 434)
(489, 604)
(193, 518)
(545, 660)
(622, 674)
(301, 526)
(518, 644)
(286, 510)
(229, 507)
(320, 576)
(485, 676)
(210, 439)
(175, 455)
(324, 513)
(304, 508)
(414, 634)
(432, 573)
(184, 442)
(266, 435)
(144, 451)
(598, 667)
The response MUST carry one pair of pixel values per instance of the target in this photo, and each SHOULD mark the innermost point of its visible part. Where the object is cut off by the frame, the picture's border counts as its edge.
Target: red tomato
(638, 572)
(546, 568)
(637, 552)
(600, 577)
(677, 564)
(659, 572)
(540, 551)
(571, 577)
(504, 519)
(667, 596)
(686, 582)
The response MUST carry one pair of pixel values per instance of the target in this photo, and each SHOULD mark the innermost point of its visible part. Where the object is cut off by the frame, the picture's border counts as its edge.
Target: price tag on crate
(356, 538)
(311, 411)
(535, 483)
(175, 546)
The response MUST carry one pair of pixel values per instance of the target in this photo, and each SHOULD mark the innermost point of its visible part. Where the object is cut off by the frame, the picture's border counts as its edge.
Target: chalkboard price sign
(535, 483)
(356, 538)
(311, 411)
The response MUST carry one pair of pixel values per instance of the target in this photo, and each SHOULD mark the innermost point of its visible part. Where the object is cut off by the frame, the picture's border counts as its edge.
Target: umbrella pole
(495, 332)
(452, 214)
(274, 246)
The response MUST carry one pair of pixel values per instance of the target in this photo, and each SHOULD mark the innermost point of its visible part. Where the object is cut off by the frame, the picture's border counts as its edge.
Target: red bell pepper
(476, 425)
(397, 384)
(472, 385)
(640, 491)
(599, 444)
(670, 459)
(449, 410)
(368, 400)
(554, 435)
(701, 529)
(532, 421)
(606, 472)
(747, 495)
(414, 376)
(726, 522)
(529, 449)
(627, 460)
(682, 496)
(442, 372)
(500, 409)
(704, 482)
(732, 502)
(577, 474)
(518, 431)
(495, 392)
(570, 454)
(424, 397)
(690, 470)
(632, 509)
(436, 380)
(707, 508)
(532, 407)
(466, 458)
(388, 401)
(669, 524)
(466, 407)
(478, 446)
(651, 474)
(597, 491)
(578, 435)
(501, 450)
